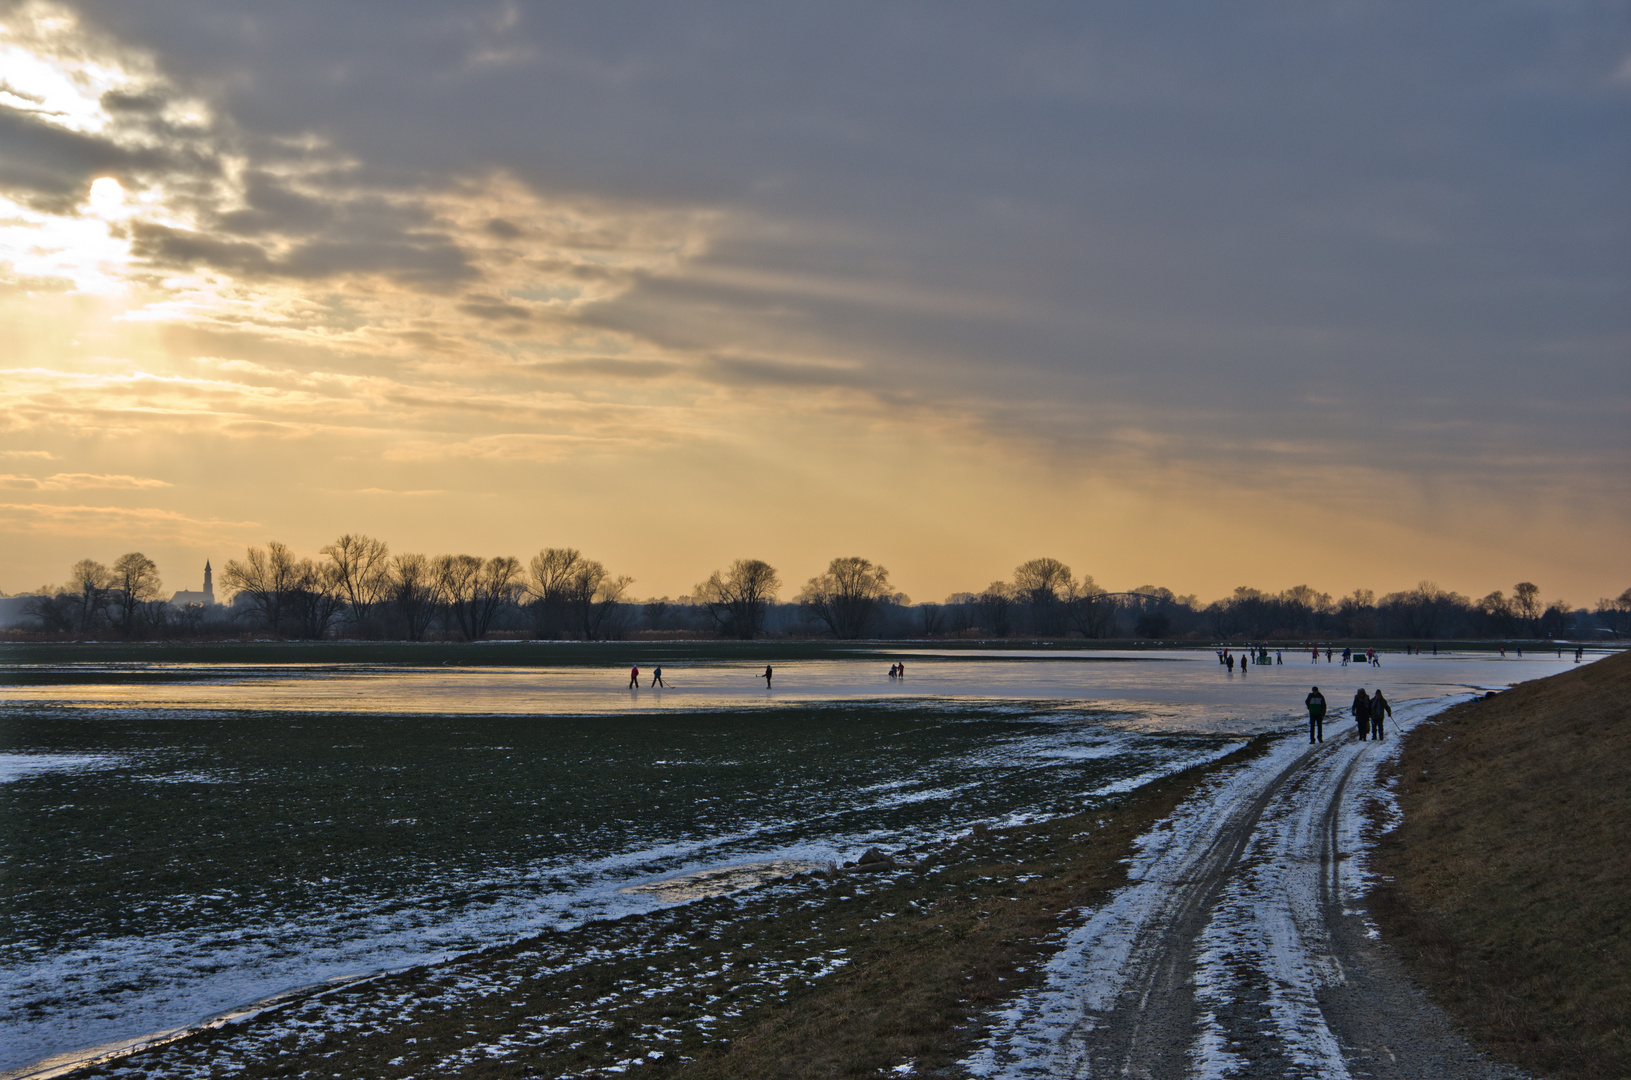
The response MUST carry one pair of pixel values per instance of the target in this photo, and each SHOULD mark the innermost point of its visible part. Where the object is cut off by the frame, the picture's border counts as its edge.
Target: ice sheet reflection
(1178, 690)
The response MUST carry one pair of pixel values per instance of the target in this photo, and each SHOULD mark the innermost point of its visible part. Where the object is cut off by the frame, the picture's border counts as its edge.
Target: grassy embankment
(926, 956)
(1511, 873)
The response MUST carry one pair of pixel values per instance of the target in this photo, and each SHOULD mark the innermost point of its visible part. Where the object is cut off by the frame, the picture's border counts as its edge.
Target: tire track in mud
(1241, 948)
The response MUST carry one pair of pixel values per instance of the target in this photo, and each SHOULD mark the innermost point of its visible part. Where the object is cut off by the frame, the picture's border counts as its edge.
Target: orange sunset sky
(1257, 295)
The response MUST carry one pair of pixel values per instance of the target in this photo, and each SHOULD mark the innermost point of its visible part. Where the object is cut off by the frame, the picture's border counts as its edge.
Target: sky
(1193, 296)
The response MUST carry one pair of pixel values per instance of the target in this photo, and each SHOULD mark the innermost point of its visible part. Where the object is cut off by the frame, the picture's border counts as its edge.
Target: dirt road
(1242, 948)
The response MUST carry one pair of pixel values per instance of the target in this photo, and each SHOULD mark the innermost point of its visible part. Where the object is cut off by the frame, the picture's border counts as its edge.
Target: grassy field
(848, 976)
(1511, 873)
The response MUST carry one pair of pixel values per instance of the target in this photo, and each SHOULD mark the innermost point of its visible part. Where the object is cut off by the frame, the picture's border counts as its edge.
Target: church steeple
(209, 586)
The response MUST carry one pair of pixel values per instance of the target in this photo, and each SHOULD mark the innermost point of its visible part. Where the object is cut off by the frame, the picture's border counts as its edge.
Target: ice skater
(766, 676)
(657, 677)
(1379, 708)
(1362, 713)
(1316, 715)
(634, 678)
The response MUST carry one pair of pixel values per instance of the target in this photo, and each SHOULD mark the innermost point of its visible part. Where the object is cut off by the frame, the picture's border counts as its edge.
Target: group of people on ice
(1370, 712)
(1259, 653)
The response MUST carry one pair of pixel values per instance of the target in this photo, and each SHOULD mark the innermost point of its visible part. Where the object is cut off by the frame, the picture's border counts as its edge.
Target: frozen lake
(181, 839)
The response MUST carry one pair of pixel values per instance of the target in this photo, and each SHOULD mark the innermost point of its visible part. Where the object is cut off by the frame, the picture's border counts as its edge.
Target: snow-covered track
(1241, 947)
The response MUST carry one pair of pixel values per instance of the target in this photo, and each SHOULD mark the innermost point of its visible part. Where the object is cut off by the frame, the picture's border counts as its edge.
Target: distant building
(205, 597)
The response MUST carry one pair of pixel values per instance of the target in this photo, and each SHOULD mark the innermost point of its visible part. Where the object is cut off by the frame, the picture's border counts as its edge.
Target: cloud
(134, 524)
(79, 482)
(1089, 245)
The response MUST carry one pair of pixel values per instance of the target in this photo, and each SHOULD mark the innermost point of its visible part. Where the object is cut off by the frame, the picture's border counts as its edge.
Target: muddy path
(1242, 947)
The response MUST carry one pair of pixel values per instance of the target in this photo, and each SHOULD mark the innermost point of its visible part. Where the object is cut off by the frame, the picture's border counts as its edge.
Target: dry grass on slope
(1511, 873)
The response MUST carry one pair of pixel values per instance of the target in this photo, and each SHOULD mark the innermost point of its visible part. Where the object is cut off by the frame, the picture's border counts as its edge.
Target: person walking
(657, 677)
(1362, 713)
(1379, 708)
(766, 676)
(634, 678)
(1316, 715)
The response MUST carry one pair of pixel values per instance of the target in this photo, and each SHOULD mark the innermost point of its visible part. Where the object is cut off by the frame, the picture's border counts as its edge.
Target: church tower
(209, 583)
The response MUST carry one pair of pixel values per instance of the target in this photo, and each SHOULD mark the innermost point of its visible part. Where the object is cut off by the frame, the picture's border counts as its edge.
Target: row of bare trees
(123, 598)
(357, 586)
(566, 594)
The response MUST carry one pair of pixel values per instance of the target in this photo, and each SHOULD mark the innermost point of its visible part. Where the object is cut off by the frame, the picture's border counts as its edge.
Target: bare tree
(1616, 613)
(934, 619)
(592, 594)
(497, 584)
(473, 590)
(57, 613)
(1526, 603)
(90, 582)
(846, 598)
(268, 577)
(362, 574)
(1424, 609)
(655, 613)
(414, 592)
(1041, 584)
(315, 601)
(135, 582)
(1089, 609)
(994, 608)
(548, 584)
(736, 600)
(456, 588)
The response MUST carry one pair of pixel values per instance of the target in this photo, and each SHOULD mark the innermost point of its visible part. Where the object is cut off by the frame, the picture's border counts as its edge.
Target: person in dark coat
(1379, 707)
(1316, 715)
(1362, 713)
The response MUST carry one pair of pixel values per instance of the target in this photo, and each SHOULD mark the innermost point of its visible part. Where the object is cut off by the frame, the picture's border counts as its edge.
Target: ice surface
(1167, 690)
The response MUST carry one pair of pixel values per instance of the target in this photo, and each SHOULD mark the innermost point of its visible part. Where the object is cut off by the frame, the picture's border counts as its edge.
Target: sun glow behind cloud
(261, 333)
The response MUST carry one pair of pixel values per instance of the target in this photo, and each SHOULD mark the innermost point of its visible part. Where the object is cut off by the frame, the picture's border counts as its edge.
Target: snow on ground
(1265, 941)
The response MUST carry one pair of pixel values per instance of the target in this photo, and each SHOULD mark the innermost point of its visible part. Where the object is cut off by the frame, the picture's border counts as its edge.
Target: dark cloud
(609, 368)
(52, 167)
(1357, 220)
(493, 308)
